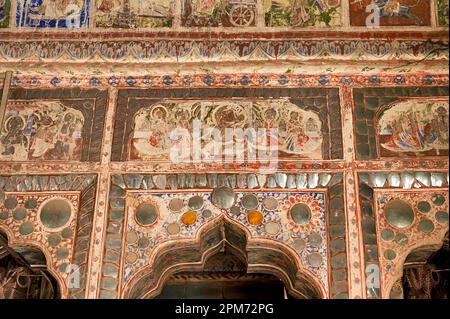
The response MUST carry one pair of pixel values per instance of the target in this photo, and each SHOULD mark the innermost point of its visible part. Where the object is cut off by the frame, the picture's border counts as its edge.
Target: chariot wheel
(241, 15)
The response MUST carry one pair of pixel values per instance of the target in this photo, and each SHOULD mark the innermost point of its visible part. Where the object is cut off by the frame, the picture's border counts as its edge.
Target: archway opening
(24, 274)
(425, 274)
(224, 253)
(224, 276)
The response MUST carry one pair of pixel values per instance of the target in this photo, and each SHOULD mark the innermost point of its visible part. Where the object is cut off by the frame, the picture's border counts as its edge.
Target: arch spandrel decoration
(274, 243)
(401, 212)
(29, 218)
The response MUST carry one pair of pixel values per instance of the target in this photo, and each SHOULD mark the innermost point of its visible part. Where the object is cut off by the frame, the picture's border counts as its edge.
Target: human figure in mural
(14, 137)
(397, 8)
(57, 9)
(2, 10)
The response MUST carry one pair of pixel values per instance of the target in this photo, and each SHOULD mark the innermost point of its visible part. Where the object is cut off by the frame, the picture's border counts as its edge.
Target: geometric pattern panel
(399, 212)
(145, 216)
(54, 214)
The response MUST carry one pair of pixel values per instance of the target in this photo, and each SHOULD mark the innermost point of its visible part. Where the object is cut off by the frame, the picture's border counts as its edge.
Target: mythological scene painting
(442, 12)
(218, 13)
(302, 13)
(135, 13)
(5, 7)
(41, 131)
(299, 132)
(414, 127)
(392, 12)
(53, 13)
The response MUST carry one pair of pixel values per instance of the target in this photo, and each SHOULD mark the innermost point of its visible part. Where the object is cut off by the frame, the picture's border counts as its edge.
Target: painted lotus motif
(135, 13)
(415, 127)
(299, 131)
(44, 131)
(302, 13)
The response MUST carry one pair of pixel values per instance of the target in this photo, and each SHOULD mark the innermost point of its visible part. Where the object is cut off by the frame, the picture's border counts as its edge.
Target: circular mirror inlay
(189, 218)
(176, 204)
(143, 242)
(19, 213)
(250, 202)
(272, 228)
(314, 259)
(387, 235)
(315, 240)
(146, 214)
(207, 213)
(426, 226)
(4, 215)
(255, 218)
(62, 253)
(196, 203)
(401, 239)
(55, 213)
(26, 228)
(173, 229)
(390, 254)
(31, 203)
(399, 214)
(131, 258)
(300, 213)
(54, 240)
(299, 244)
(67, 233)
(223, 197)
(424, 207)
(10, 203)
(131, 238)
(442, 217)
(235, 210)
(270, 203)
(438, 200)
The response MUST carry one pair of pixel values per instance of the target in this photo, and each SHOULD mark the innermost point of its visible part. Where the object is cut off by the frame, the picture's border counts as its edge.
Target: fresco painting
(41, 131)
(5, 7)
(392, 12)
(302, 13)
(442, 12)
(218, 13)
(299, 131)
(135, 13)
(414, 127)
(53, 13)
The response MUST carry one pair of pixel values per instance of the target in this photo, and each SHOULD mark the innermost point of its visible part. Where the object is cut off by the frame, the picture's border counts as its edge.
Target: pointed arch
(261, 255)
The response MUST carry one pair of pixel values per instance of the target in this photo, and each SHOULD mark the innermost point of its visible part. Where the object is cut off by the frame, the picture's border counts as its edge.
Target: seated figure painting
(41, 131)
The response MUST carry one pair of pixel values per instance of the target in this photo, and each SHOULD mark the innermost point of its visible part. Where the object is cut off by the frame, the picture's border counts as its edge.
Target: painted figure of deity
(300, 13)
(415, 127)
(45, 131)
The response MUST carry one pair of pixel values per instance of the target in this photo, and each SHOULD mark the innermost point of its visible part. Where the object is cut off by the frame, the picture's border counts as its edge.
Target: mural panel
(299, 135)
(53, 13)
(41, 131)
(218, 13)
(442, 12)
(306, 119)
(298, 13)
(5, 7)
(53, 124)
(419, 131)
(414, 127)
(135, 13)
(392, 12)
